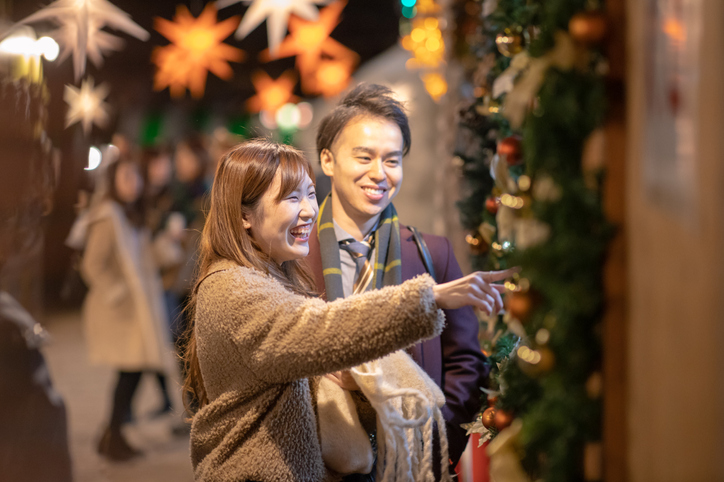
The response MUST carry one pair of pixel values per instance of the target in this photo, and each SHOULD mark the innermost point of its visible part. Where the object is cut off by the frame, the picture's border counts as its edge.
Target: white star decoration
(86, 105)
(277, 14)
(80, 23)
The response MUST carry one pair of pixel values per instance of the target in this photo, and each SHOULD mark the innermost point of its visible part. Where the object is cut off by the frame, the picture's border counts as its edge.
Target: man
(359, 243)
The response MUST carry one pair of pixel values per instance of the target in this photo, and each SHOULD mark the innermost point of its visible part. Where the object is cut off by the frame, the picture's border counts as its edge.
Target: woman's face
(282, 228)
(129, 183)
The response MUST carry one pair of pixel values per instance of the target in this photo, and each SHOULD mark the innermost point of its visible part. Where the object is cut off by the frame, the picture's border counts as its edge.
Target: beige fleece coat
(258, 344)
(125, 322)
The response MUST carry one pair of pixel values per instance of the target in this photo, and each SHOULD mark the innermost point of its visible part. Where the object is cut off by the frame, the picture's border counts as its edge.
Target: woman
(258, 335)
(123, 314)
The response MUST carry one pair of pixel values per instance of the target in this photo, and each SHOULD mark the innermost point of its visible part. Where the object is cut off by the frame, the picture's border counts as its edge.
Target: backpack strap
(424, 251)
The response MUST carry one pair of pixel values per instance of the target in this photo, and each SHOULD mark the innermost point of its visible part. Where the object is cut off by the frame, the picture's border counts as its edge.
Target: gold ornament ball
(519, 305)
(488, 418)
(510, 41)
(502, 419)
(588, 28)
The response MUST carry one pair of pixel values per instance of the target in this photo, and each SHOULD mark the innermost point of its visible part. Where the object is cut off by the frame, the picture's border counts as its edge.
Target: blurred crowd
(136, 237)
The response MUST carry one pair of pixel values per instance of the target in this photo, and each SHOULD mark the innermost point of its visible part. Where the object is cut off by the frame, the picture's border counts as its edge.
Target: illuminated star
(329, 79)
(272, 94)
(98, 42)
(197, 47)
(277, 14)
(86, 105)
(309, 41)
(87, 18)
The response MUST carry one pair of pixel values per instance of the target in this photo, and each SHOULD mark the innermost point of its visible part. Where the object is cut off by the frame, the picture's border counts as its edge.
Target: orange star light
(272, 94)
(311, 41)
(197, 48)
(329, 79)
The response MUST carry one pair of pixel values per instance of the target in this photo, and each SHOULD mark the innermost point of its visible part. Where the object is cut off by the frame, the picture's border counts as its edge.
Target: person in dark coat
(361, 144)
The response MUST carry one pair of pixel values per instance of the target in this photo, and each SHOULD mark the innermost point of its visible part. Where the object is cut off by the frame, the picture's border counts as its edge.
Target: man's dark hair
(366, 99)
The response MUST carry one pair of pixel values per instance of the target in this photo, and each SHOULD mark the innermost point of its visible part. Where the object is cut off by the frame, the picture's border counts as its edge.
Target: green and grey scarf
(388, 252)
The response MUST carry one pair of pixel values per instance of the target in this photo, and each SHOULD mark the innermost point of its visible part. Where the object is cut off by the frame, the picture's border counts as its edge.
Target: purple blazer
(453, 359)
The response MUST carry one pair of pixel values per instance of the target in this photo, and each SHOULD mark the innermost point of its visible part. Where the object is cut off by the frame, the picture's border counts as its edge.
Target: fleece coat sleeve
(285, 337)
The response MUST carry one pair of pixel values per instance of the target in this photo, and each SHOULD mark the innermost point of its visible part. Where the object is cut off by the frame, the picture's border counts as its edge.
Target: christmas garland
(529, 148)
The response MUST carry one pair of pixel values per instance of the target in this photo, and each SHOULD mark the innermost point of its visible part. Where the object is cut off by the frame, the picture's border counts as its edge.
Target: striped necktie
(360, 251)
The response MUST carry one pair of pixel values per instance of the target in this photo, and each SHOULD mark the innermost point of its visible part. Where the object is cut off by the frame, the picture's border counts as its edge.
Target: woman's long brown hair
(243, 175)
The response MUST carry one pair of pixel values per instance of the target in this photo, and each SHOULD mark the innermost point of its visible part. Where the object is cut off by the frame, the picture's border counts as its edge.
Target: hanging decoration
(197, 47)
(86, 105)
(276, 13)
(271, 94)
(80, 24)
(314, 49)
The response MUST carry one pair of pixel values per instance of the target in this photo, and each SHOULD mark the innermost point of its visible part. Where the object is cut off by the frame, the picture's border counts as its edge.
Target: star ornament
(276, 13)
(272, 94)
(80, 23)
(86, 105)
(310, 42)
(196, 48)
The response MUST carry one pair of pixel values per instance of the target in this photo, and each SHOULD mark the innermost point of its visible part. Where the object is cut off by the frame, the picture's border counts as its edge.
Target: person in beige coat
(124, 320)
(260, 337)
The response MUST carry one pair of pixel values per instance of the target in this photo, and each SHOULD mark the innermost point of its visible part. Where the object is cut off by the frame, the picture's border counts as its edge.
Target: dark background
(368, 27)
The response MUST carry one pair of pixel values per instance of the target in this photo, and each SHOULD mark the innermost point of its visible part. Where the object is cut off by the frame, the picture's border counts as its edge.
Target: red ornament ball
(489, 417)
(588, 28)
(511, 149)
(491, 205)
(503, 419)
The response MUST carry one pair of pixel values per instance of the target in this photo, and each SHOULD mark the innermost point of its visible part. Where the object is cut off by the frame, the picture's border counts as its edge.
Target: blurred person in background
(186, 220)
(123, 313)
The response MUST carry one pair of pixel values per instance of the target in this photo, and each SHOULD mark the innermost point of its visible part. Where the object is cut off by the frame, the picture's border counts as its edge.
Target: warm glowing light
(197, 47)
(80, 30)
(674, 29)
(510, 201)
(276, 13)
(435, 84)
(432, 44)
(331, 78)
(431, 23)
(418, 35)
(426, 43)
(312, 45)
(27, 46)
(48, 47)
(94, 158)
(86, 105)
(272, 94)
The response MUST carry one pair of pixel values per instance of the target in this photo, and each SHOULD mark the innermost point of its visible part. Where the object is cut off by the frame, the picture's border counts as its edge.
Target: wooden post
(615, 431)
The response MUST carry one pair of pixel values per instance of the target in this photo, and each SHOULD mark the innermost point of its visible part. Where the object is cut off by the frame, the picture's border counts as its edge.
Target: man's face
(365, 166)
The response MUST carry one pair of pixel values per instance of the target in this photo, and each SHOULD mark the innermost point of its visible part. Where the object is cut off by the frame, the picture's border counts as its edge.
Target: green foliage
(565, 272)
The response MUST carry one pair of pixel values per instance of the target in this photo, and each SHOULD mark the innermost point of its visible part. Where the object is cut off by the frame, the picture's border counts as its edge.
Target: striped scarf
(388, 252)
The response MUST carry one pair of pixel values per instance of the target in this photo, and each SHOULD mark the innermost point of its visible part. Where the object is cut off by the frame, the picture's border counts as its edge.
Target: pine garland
(546, 356)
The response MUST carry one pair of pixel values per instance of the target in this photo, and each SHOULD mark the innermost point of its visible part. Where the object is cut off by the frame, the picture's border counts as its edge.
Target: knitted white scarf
(407, 402)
